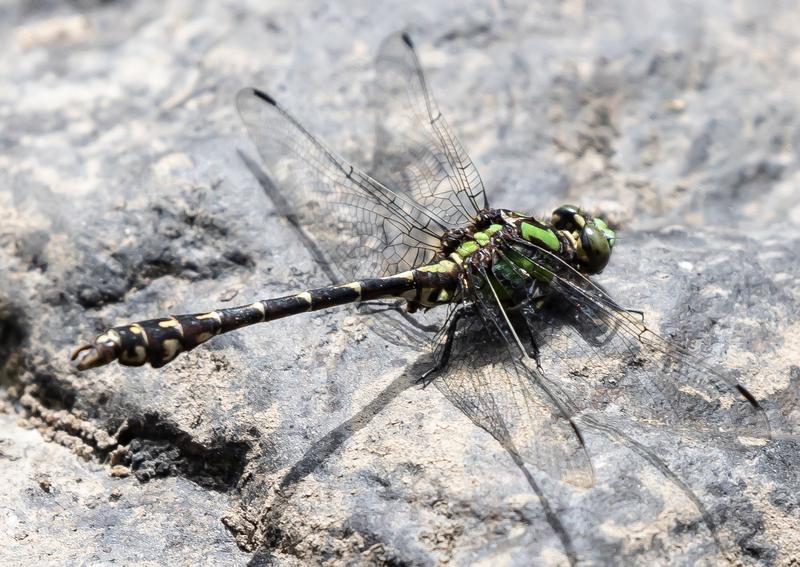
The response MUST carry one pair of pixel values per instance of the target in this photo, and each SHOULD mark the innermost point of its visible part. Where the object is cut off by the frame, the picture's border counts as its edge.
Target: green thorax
(540, 234)
(529, 229)
(513, 270)
(479, 239)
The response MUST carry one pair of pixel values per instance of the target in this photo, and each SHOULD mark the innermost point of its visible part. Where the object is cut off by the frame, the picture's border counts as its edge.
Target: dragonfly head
(593, 238)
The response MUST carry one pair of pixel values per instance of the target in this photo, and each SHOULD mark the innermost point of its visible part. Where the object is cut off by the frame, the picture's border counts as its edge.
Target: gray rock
(124, 196)
(61, 510)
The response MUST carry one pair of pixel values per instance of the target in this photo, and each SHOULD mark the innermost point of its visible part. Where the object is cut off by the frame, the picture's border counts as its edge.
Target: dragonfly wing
(501, 393)
(361, 226)
(609, 359)
(415, 151)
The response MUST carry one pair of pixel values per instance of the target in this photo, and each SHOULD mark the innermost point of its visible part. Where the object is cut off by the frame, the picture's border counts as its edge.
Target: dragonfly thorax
(576, 237)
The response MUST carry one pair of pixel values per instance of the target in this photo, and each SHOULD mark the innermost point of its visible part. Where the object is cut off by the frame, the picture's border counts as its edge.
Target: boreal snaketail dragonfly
(529, 344)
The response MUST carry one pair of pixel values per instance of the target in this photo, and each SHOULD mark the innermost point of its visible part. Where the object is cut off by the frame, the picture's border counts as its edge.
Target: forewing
(415, 151)
(362, 227)
(606, 358)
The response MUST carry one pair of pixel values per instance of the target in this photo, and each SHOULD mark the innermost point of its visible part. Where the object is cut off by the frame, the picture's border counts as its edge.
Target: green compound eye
(595, 247)
(610, 235)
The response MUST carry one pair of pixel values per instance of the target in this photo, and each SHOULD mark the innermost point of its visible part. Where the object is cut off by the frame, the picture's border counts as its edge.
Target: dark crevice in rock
(50, 391)
(14, 331)
(108, 288)
(157, 448)
(147, 445)
(47, 400)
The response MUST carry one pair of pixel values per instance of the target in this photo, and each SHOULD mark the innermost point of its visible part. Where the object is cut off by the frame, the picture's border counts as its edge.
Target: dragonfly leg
(443, 355)
(535, 349)
(534, 344)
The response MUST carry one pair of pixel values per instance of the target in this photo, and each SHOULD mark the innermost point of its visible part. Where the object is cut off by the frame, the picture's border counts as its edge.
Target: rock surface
(124, 196)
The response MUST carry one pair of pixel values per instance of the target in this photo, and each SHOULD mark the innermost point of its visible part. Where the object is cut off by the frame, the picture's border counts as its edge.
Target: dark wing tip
(264, 96)
(407, 40)
(248, 92)
(754, 402)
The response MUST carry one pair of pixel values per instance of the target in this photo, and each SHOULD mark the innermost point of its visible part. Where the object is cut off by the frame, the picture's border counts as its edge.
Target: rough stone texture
(123, 196)
(61, 510)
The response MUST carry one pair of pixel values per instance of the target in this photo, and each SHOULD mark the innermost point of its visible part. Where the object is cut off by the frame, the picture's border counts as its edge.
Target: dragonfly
(529, 345)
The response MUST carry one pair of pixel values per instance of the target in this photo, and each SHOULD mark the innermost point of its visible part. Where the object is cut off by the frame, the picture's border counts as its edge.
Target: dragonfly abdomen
(159, 341)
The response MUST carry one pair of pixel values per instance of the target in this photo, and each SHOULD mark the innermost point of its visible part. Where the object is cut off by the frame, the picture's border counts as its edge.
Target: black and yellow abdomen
(158, 341)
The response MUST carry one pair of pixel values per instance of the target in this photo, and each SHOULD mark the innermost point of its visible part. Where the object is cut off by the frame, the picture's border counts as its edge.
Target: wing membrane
(492, 384)
(362, 227)
(607, 358)
(415, 150)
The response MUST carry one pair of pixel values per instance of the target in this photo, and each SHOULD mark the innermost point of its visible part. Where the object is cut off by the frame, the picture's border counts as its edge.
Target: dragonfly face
(594, 240)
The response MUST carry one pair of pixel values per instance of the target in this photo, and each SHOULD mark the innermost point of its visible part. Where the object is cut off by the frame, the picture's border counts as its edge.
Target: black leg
(444, 355)
(535, 348)
(532, 340)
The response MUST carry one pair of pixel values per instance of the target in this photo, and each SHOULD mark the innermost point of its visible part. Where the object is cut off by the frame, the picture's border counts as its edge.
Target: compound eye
(565, 217)
(611, 236)
(595, 248)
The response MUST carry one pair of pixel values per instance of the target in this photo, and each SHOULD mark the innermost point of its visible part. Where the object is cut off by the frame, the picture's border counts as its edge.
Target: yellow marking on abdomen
(171, 349)
(203, 337)
(259, 307)
(172, 323)
(211, 315)
(355, 286)
(110, 335)
(138, 357)
(305, 296)
(136, 329)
